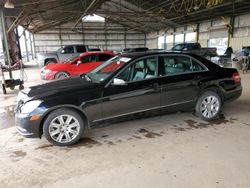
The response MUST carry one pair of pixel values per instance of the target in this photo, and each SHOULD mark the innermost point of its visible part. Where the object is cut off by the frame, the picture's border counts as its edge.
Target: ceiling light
(196, 8)
(8, 4)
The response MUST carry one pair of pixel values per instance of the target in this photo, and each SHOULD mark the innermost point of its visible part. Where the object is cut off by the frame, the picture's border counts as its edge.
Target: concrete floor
(177, 150)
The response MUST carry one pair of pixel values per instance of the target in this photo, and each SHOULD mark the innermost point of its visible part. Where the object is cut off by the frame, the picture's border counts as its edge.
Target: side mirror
(78, 62)
(119, 82)
(185, 49)
(63, 52)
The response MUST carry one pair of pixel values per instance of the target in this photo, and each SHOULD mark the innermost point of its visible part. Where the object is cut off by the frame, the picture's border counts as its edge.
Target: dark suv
(131, 83)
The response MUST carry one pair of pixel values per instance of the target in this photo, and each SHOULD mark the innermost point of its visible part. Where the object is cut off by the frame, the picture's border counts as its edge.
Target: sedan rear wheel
(63, 127)
(62, 75)
(208, 105)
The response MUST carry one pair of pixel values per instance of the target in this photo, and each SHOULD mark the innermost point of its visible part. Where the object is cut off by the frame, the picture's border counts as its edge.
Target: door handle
(198, 77)
(156, 86)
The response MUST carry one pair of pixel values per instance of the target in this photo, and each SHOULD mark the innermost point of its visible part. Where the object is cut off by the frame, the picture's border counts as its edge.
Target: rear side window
(196, 66)
(80, 49)
(180, 64)
(104, 57)
(89, 58)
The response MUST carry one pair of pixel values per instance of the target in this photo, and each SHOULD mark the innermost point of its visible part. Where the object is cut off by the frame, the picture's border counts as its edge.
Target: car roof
(136, 55)
(96, 52)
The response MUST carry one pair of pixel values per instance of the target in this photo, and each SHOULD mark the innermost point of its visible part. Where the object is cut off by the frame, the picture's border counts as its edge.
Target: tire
(208, 105)
(21, 87)
(61, 75)
(56, 127)
(50, 62)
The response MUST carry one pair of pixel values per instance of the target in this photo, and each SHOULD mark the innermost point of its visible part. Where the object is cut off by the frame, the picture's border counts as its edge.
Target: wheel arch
(71, 107)
(50, 59)
(213, 88)
(60, 71)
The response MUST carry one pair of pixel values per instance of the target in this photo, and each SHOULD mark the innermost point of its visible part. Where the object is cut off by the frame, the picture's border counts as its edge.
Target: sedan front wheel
(61, 75)
(63, 127)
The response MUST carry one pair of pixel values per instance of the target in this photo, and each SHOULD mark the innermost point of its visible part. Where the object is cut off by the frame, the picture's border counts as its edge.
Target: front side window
(68, 50)
(140, 70)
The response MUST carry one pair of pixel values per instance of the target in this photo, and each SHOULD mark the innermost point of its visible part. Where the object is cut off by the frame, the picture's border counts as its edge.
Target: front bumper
(26, 127)
(47, 76)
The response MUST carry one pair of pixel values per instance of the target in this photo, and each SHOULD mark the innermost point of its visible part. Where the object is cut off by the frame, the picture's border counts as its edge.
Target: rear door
(181, 75)
(80, 49)
(141, 93)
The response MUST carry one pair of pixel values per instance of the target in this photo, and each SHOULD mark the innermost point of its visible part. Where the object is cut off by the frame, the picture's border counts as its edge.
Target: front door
(66, 54)
(141, 91)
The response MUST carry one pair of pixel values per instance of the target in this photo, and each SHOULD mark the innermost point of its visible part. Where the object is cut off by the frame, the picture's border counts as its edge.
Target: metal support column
(31, 47)
(60, 35)
(125, 38)
(5, 40)
(34, 45)
(26, 46)
(105, 35)
(18, 43)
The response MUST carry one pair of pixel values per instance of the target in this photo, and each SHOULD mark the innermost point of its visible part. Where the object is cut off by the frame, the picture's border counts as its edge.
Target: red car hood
(58, 67)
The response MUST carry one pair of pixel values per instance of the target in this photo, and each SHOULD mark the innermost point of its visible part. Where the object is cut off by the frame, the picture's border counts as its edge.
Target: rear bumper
(233, 95)
(26, 127)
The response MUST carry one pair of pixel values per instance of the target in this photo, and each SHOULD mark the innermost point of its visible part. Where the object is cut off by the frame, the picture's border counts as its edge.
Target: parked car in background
(242, 57)
(94, 50)
(128, 84)
(62, 55)
(195, 48)
(130, 50)
(225, 59)
(85, 63)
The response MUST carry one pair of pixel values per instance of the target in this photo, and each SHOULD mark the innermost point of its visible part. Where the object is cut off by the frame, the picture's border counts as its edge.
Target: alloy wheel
(64, 128)
(210, 106)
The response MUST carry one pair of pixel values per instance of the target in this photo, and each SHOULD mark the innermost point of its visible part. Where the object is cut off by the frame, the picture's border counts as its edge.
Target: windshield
(179, 47)
(107, 68)
(59, 50)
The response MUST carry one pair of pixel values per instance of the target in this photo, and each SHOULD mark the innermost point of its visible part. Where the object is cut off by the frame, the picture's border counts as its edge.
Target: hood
(58, 66)
(60, 86)
(48, 54)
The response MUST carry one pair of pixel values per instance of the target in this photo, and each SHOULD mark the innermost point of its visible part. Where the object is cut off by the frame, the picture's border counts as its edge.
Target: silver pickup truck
(195, 48)
(62, 55)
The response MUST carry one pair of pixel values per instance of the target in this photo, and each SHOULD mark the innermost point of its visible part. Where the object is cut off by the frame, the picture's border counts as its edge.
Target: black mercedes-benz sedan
(127, 84)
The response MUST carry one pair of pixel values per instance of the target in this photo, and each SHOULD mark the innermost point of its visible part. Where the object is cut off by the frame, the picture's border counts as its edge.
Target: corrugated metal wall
(95, 34)
(115, 37)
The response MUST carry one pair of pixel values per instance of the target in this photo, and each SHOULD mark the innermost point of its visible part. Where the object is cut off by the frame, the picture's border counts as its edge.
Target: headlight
(46, 71)
(30, 106)
(23, 95)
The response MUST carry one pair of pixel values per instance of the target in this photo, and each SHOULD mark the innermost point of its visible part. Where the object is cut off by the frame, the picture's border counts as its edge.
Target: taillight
(236, 77)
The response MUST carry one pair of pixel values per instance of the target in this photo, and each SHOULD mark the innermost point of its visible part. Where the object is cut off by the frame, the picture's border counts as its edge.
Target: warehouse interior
(173, 150)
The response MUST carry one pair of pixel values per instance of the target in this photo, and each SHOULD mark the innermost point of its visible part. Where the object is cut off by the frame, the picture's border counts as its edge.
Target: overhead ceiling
(141, 15)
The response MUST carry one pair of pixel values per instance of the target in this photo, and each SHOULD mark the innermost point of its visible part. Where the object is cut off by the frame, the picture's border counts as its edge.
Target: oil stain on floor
(18, 154)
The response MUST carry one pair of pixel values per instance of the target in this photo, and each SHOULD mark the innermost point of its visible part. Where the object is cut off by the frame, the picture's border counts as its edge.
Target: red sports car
(84, 63)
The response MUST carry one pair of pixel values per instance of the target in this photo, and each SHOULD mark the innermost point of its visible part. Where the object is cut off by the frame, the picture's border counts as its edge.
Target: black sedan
(127, 84)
